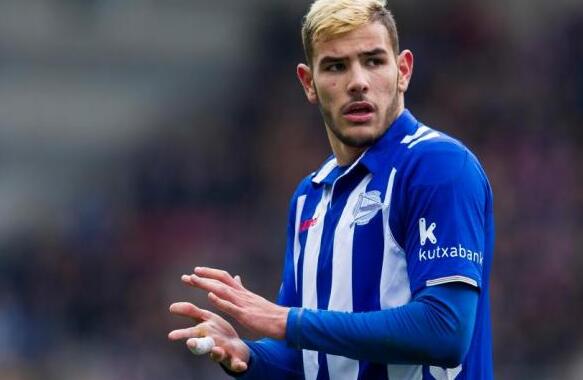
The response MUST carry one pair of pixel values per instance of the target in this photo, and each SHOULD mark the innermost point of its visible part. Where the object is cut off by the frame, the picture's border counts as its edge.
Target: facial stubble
(367, 141)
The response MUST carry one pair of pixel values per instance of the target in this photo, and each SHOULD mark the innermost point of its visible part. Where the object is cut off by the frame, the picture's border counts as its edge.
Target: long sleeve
(434, 328)
(272, 359)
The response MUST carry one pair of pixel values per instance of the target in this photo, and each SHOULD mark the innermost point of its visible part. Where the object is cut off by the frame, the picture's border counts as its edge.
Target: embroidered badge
(366, 207)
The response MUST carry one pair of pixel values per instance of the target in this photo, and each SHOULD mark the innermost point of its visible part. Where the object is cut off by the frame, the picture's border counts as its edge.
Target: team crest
(366, 207)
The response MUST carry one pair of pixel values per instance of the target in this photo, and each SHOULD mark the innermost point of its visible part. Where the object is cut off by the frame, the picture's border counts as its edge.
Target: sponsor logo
(426, 232)
(307, 224)
(367, 206)
(454, 251)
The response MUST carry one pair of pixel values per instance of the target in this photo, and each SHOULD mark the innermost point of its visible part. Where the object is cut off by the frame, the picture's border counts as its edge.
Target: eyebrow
(369, 53)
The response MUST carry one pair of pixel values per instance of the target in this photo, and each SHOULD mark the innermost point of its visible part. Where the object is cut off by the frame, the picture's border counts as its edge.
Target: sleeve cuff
(293, 327)
(448, 279)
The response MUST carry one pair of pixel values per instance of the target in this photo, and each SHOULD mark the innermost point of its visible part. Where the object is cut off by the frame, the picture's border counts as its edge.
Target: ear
(405, 65)
(307, 80)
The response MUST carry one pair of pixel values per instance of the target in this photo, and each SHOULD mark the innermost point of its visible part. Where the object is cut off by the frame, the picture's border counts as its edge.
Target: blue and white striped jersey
(414, 210)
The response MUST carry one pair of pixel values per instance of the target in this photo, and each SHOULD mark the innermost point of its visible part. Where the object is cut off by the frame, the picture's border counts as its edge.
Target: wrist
(280, 323)
(292, 334)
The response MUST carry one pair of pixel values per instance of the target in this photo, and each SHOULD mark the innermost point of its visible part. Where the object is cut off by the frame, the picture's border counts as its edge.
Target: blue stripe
(335, 209)
(324, 276)
(323, 371)
(367, 262)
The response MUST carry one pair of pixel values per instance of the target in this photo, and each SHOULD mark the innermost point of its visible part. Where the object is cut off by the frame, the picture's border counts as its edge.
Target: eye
(334, 67)
(374, 61)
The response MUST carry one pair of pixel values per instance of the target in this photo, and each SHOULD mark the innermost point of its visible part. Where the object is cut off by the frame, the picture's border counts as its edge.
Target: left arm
(434, 328)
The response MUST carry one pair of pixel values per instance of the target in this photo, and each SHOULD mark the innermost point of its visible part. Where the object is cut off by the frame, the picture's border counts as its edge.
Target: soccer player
(390, 241)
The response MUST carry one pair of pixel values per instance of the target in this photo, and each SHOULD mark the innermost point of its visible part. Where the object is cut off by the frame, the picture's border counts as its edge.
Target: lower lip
(359, 117)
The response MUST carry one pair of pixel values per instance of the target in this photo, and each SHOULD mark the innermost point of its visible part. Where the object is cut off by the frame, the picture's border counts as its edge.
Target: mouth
(358, 112)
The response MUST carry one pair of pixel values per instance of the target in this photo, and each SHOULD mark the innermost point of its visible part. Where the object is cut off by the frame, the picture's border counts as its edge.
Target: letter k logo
(426, 233)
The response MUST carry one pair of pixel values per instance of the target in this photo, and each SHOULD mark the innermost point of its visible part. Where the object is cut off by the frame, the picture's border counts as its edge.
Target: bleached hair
(331, 18)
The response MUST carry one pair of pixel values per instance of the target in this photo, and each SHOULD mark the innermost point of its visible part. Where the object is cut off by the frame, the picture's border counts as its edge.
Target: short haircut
(331, 18)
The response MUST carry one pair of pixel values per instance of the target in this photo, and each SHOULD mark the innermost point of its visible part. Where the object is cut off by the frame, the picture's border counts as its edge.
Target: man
(389, 243)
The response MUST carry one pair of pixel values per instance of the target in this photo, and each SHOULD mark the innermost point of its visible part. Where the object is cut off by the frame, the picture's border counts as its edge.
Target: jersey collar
(374, 156)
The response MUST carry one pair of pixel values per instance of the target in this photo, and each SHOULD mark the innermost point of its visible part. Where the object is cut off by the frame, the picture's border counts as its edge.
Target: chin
(360, 140)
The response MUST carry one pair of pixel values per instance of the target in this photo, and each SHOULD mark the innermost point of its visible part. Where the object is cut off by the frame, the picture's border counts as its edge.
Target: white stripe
(428, 136)
(394, 286)
(297, 247)
(340, 367)
(389, 191)
(310, 364)
(309, 277)
(445, 280)
(439, 373)
(421, 130)
(326, 169)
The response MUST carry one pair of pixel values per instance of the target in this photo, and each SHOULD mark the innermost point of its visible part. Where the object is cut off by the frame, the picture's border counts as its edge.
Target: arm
(434, 328)
(272, 359)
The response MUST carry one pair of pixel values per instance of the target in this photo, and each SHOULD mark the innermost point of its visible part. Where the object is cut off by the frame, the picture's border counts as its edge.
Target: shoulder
(439, 160)
(302, 188)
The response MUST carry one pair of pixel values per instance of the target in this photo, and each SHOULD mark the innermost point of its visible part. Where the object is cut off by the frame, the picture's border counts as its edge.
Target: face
(358, 82)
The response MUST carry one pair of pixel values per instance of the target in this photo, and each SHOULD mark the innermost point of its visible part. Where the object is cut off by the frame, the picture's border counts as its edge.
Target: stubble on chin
(356, 142)
(361, 141)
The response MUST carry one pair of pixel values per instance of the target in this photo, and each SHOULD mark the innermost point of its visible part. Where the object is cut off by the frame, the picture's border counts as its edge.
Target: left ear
(405, 65)
(306, 78)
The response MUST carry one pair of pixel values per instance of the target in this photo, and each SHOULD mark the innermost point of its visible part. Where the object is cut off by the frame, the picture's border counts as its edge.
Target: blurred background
(141, 138)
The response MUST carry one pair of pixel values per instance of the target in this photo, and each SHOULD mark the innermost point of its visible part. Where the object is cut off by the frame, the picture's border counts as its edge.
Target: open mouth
(358, 112)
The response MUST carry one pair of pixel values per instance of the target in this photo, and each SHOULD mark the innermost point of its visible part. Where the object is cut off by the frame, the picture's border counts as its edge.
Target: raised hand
(229, 349)
(231, 297)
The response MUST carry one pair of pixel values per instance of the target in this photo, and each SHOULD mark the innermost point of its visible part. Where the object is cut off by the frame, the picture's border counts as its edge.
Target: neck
(345, 154)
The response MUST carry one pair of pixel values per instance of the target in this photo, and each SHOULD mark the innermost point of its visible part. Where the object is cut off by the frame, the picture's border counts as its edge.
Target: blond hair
(331, 18)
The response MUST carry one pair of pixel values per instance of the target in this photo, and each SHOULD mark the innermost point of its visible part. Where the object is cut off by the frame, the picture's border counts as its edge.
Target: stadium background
(141, 138)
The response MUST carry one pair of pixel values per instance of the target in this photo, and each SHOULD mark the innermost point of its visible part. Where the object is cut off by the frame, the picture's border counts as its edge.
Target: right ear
(306, 78)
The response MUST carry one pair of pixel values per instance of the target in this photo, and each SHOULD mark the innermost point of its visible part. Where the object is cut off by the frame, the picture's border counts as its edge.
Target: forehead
(364, 38)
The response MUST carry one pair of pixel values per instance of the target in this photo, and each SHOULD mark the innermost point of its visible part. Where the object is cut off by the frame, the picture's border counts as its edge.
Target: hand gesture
(229, 349)
(249, 309)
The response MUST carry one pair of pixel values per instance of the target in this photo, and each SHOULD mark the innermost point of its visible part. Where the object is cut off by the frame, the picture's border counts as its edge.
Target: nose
(358, 83)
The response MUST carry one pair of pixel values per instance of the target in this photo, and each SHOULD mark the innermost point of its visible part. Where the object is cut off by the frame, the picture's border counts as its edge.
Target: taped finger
(200, 346)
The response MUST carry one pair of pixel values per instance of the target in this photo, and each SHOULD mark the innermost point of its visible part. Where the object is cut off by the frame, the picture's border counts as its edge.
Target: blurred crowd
(84, 294)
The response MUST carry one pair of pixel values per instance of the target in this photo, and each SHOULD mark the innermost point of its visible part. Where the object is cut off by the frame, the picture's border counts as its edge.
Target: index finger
(186, 309)
(219, 275)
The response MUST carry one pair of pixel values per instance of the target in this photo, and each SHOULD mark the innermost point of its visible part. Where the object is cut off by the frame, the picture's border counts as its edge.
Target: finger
(215, 286)
(200, 346)
(186, 279)
(238, 365)
(238, 279)
(186, 309)
(219, 275)
(218, 354)
(191, 332)
(225, 306)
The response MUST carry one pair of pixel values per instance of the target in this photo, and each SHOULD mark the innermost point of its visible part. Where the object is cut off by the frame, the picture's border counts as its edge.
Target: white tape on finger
(203, 345)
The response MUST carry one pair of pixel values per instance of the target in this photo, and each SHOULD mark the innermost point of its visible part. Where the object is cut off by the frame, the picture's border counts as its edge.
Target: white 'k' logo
(426, 233)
